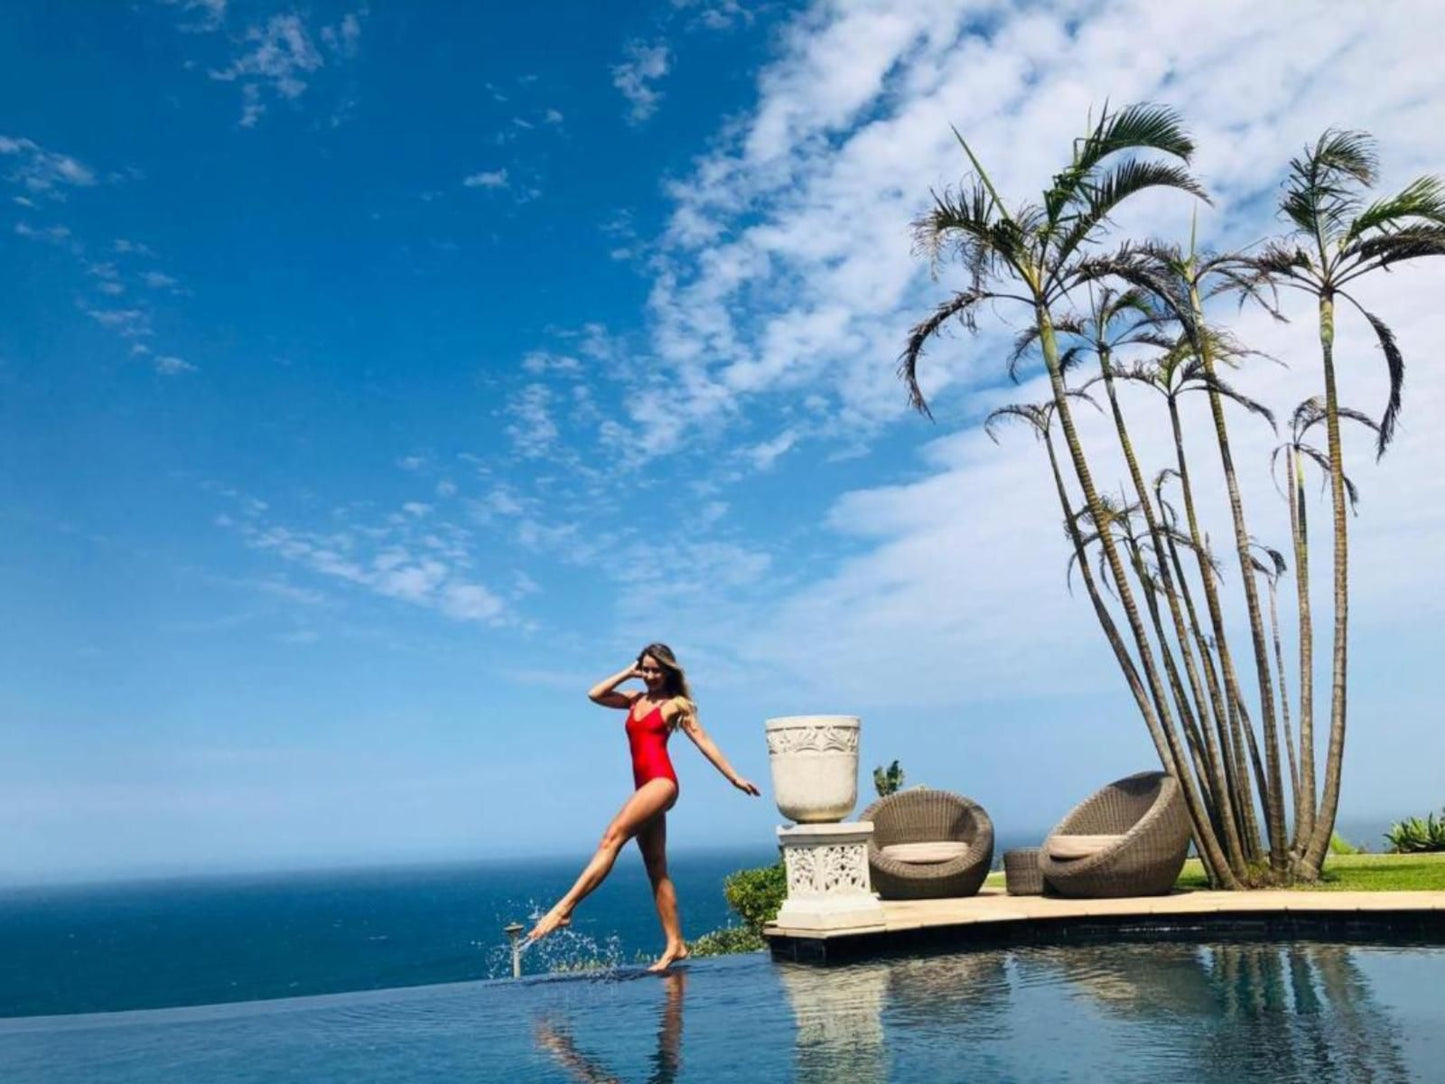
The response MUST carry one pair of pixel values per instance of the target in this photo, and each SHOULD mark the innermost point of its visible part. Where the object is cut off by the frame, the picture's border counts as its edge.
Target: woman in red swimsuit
(652, 716)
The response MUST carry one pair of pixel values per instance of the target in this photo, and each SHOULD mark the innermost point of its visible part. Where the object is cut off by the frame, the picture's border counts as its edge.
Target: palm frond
(960, 307)
(1071, 357)
(1031, 413)
(960, 223)
(1322, 190)
(1239, 277)
(1024, 341)
(1203, 381)
(1307, 414)
(1423, 198)
(1395, 363)
(1102, 195)
(1386, 249)
(1277, 564)
(1351, 153)
(1141, 126)
(1140, 267)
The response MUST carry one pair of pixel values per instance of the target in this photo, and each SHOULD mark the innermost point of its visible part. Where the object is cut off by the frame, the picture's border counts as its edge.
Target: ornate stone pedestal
(828, 887)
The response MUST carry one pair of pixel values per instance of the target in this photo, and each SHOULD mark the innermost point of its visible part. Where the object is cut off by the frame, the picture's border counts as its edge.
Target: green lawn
(1358, 873)
(1343, 873)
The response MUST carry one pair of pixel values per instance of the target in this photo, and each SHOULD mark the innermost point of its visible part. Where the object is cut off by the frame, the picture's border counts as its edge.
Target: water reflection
(1229, 1012)
(1223, 1012)
(838, 1013)
(1306, 1009)
(1127, 1012)
(557, 1041)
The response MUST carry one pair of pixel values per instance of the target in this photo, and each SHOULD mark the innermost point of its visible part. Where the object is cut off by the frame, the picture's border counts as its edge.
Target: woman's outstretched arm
(605, 691)
(693, 729)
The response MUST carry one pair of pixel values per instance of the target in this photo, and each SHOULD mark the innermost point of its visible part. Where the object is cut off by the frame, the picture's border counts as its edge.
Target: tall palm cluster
(1142, 313)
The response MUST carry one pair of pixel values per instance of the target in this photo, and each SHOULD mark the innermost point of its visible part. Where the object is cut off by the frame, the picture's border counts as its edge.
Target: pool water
(1212, 1012)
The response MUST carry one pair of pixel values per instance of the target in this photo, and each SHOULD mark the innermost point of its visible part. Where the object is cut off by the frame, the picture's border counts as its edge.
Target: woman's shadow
(557, 1041)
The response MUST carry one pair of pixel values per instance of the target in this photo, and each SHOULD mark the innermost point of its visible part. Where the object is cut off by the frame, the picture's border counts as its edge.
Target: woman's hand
(746, 787)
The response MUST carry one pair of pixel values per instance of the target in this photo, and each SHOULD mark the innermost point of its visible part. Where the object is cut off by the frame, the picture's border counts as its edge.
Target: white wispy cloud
(128, 323)
(786, 264)
(281, 56)
(785, 282)
(408, 556)
(202, 16)
(496, 178)
(643, 65)
(169, 365)
(533, 429)
(42, 171)
(716, 14)
(53, 234)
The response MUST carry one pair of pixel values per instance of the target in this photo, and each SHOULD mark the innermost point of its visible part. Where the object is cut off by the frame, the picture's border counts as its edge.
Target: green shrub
(728, 940)
(1415, 836)
(1340, 845)
(886, 782)
(756, 894)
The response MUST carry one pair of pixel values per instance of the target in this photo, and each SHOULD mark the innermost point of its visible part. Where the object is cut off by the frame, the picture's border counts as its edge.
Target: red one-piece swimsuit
(647, 738)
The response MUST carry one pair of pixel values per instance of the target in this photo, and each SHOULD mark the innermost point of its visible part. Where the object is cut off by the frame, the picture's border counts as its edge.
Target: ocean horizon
(215, 938)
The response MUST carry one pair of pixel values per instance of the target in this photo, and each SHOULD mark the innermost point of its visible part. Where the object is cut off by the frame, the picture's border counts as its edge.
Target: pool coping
(992, 919)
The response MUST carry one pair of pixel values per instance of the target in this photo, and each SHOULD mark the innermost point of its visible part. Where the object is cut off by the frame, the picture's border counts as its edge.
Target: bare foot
(553, 919)
(674, 954)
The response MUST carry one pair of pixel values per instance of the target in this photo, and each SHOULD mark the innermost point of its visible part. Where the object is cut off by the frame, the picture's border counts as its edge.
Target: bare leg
(653, 797)
(652, 842)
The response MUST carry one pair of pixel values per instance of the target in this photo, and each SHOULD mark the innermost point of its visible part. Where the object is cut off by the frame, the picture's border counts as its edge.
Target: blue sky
(375, 378)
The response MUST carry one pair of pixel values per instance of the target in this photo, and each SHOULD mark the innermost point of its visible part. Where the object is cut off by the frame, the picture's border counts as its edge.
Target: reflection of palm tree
(1242, 1012)
(666, 1060)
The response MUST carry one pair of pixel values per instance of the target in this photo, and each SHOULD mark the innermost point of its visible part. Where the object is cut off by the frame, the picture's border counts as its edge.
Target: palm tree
(1031, 256)
(1297, 452)
(1040, 418)
(1178, 281)
(1337, 239)
(1178, 371)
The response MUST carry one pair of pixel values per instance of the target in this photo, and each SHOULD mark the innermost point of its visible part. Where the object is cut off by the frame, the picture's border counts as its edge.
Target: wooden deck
(993, 917)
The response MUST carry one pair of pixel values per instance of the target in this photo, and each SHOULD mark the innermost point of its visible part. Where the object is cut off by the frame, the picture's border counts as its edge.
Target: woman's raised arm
(605, 691)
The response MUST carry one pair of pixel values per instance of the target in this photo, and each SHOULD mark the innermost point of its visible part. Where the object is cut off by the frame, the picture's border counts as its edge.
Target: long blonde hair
(674, 677)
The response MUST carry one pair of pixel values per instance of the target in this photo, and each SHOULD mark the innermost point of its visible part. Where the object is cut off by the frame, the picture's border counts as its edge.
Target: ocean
(221, 939)
(160, 944)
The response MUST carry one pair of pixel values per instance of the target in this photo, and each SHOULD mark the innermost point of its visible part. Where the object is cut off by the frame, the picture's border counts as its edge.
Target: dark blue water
(1128, 1013)
(145, 945)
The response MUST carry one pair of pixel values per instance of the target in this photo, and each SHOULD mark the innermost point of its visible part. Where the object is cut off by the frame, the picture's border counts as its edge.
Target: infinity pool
(1213, 1012)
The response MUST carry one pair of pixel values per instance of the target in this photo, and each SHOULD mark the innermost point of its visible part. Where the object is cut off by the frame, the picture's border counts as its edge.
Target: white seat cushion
(924, 853)
(1065, 847)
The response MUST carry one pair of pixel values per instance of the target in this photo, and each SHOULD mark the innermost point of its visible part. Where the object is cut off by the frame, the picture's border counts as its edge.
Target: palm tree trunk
(1243, 796)
(1233, 832)
(1174, 763)
(1330, 798)
(1202, 766)
(1283, 696)
(1274, 798)
(1101, 609)
(1210, 773)
(1299, 530)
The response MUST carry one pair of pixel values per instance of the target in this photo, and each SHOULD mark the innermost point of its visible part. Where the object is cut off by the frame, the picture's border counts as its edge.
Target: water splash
(563, 951)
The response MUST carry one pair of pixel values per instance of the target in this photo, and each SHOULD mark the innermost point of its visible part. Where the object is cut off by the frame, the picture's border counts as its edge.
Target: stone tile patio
(993, 915)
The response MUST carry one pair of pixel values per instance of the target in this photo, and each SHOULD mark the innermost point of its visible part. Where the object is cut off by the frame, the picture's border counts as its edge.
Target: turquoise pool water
(1213, 1012)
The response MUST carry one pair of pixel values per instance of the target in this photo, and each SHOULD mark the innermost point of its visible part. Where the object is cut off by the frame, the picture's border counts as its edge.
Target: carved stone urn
(815, 782)
(814, 759)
